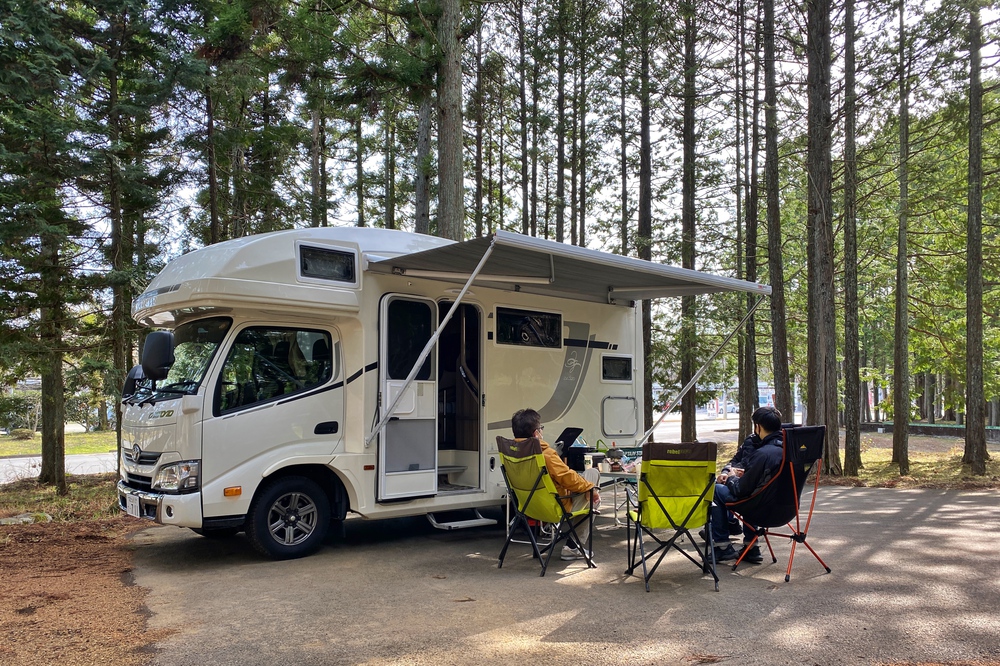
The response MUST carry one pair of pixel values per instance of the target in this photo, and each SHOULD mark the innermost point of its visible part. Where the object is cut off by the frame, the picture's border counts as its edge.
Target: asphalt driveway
(914, 579)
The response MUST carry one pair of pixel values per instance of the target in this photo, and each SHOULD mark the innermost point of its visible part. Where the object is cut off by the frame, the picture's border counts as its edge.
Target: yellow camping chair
(676, 486)
(533, 496)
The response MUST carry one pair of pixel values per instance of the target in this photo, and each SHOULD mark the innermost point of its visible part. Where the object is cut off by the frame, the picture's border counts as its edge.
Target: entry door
(408, 441)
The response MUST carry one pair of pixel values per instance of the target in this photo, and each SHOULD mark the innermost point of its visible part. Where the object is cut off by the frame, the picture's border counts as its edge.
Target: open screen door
(408, 442)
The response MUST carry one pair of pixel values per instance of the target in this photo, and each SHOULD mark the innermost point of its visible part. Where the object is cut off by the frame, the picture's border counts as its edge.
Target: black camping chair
(776, 505)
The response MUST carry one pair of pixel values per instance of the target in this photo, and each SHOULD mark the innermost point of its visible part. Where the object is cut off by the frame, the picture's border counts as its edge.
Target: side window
(265, 363)
(529, 328)
(616, 368)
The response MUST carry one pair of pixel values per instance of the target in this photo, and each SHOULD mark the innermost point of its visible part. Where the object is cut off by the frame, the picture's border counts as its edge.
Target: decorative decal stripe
(299, 396)
(591, 344)
(367, 368)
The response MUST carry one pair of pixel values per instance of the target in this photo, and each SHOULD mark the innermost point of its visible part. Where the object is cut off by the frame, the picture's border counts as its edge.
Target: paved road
(12, 469)
(914, 579)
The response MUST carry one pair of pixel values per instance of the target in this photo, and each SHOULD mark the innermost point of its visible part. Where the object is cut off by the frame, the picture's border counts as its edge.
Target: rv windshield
(195, 343)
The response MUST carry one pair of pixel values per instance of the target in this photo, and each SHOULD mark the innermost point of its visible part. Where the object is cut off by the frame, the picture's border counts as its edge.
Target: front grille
(138, 482)
(145, 458)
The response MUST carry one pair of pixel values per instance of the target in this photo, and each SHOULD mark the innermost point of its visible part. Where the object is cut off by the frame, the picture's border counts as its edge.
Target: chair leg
(798, 538)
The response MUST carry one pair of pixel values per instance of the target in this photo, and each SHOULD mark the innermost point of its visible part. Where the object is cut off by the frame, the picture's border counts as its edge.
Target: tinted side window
(528, 328)
(265, 363)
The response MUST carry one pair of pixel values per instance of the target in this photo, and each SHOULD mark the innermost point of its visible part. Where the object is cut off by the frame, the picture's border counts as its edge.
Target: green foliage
(22, 434)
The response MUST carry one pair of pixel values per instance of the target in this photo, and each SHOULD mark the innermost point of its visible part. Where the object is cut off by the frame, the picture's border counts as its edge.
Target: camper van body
(296, 388)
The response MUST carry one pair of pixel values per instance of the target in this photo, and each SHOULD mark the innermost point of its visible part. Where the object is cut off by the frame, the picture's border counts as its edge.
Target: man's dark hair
(525, 422)
(768, 418)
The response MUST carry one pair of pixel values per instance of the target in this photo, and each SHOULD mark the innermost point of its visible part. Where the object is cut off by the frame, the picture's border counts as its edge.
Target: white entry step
(478, 521)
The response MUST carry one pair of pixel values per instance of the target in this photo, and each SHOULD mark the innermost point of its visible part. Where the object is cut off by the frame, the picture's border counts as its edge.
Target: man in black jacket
(754, 464)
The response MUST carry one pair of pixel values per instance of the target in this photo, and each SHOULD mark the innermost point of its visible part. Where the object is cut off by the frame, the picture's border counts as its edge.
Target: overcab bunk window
(325, 264)
(529, 328)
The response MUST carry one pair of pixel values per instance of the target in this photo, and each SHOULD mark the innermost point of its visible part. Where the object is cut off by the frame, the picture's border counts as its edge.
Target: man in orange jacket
(527, 423)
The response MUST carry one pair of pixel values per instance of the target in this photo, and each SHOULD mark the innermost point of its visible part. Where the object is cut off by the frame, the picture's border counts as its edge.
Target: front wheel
(289, 518)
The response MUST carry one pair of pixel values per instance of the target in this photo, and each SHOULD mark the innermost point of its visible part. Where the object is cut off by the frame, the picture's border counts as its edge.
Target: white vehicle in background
(301, 375)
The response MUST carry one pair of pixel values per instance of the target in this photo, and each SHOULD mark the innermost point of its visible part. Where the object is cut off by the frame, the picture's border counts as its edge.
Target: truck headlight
(178, 477)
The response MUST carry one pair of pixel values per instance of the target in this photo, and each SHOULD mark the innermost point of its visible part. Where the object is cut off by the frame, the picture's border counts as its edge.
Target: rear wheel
(289, 518)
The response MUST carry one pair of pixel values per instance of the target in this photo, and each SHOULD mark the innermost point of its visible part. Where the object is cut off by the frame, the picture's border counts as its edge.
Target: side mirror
(135, 375)
(158, 355)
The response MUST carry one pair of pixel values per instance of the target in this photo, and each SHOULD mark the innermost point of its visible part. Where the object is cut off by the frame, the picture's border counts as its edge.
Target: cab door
(408, 441)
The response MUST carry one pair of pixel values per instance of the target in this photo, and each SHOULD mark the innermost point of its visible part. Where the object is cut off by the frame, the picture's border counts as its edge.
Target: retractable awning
(538, 266)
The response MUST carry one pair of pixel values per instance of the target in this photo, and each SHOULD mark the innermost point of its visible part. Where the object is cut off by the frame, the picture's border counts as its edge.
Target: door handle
(326, 428)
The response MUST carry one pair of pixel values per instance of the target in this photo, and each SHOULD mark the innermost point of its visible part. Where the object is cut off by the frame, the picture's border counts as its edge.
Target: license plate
(132, 505)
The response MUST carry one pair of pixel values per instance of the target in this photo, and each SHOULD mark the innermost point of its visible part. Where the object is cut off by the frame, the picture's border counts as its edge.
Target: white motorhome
(302, 375)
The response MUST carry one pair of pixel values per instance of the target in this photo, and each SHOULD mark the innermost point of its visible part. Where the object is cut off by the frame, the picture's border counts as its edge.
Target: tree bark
(561, 122)
(451, 202)
(822, 379)
(422, 194)
(359, 167)
(975, 401)
(53, 470)
(688, 351)
(775, 261)
(644, 233)
(901, 361)
(852, 362)
(523, 112)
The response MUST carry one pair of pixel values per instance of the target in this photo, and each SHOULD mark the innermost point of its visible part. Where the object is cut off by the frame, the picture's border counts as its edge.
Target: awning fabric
(538, 266)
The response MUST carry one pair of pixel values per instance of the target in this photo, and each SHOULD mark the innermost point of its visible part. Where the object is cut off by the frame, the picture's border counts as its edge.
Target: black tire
(288, 518)
(217, 532)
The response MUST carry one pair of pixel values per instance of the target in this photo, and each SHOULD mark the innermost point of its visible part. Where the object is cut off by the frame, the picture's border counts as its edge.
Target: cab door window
(267, 363)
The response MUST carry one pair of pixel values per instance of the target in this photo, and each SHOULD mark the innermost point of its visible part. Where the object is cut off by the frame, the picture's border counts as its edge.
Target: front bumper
(181, 510)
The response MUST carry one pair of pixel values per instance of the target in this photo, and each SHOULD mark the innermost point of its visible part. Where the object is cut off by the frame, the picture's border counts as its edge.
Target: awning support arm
(429, 346)
(667, 408)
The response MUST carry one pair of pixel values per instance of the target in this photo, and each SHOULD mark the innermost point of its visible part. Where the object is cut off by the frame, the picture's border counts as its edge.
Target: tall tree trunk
(644, 233)
(214, 226)
(477, 120)
(53, 470)
(750, 394)
(561, 121)
(390, 170)
(523, 114)
(451, 202)
(422, 193)
(901, 360)
(315, 212)
(584, 110)
(689, 429)
(822, 343)
(975, 401)
(852, 364)
(623, 119)
(775, 262)
(359, 167)
(121, 263)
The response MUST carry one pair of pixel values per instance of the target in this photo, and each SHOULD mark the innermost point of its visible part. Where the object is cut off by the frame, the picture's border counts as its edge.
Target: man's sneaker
(727, 554)
(753, 555)
(570, 553)
(735, 527)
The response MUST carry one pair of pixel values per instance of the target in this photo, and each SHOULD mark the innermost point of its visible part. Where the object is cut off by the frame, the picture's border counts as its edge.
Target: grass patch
(77, 442)
(927, 470)
(89, 497)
